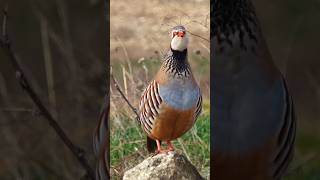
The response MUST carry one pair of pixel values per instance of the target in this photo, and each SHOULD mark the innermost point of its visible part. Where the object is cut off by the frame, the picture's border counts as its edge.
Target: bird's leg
(159, 150)
(170, 146)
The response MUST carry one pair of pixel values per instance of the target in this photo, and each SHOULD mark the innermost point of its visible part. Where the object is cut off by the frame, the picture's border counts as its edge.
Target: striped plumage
(253, 118)
(149, 106)
(171, 102)
(101, 143)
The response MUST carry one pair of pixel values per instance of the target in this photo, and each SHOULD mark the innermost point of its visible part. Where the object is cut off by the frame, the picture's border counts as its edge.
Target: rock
(171, 166)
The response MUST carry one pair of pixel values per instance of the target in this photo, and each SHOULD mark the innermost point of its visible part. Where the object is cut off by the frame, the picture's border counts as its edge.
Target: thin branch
(198, 36)
(166, 18)
(24, 83)
(125, 98)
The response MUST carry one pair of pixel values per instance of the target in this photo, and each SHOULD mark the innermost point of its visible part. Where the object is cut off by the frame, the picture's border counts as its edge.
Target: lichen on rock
(170, 166)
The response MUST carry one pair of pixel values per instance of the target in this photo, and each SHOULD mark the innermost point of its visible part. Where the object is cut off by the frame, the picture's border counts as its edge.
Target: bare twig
(48, 66)
(125, 53)
(198, 36)
(166, 18)
(24, 83)
(125, 98)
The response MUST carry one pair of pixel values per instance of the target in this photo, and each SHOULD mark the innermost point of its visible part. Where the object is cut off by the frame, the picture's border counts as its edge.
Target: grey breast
(247, 108)
(181, 94)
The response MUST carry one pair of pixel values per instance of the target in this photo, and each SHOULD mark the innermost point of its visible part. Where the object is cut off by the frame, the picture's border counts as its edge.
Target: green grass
(128, 143)
(128, 146)
(306, 164)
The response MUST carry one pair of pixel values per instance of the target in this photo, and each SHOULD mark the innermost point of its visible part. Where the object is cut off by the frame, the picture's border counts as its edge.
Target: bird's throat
(176, 63)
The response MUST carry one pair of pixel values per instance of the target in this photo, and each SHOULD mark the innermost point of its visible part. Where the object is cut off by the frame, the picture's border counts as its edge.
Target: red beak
(181, 34)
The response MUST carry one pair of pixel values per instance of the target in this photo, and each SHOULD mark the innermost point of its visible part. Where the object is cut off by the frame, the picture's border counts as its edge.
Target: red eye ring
(178, 33)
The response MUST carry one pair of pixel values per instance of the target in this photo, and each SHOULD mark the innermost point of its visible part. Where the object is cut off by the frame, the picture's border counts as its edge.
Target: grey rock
(171, 166)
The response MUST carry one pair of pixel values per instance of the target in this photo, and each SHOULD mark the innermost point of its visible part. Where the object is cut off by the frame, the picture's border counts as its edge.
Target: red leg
(170, 146)
(158, 146)
(159, 150)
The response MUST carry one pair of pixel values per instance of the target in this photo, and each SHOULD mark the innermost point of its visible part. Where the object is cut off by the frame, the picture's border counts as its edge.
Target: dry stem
(24, 83)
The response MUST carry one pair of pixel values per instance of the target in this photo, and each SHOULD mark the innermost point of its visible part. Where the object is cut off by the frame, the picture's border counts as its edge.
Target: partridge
(171, 103)
(253, 117)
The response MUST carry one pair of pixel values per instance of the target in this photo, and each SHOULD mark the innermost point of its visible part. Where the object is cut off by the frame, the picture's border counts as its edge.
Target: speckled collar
(233, 17)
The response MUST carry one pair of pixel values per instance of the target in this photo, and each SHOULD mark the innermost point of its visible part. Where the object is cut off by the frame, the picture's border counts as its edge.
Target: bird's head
(179, 41)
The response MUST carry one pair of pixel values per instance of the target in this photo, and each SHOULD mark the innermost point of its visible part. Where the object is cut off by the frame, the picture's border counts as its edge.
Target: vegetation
(128, 144)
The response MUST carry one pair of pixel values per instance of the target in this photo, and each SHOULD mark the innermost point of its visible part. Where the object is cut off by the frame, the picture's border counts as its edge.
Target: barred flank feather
(286, 138)
(101, 143)
(149, 106)
(199, 107)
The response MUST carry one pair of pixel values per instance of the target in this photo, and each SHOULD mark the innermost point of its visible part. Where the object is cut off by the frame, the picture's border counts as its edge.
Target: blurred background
(291, 29)
(139, 38)
(61, 46)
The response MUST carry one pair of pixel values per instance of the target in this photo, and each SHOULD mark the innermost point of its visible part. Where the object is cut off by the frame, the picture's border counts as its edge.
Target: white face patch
(179, 43)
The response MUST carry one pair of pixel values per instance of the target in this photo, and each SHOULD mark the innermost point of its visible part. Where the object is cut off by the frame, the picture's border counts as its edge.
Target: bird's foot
(163, 151)
(170, 146)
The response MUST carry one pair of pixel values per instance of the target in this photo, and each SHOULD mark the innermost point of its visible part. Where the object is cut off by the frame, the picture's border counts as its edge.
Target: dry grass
(142, 27)
(139, 35)
(72, 87)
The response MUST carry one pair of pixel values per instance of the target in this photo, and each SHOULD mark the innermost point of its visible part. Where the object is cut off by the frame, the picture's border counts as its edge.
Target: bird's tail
(151, 145)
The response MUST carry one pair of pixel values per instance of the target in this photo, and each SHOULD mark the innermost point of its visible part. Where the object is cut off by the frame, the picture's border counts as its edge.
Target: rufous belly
(172, 123)
(253, 165)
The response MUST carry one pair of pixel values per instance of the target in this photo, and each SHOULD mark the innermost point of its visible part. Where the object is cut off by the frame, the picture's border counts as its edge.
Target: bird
(101, 146)
(172, 101)
(253, 120)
